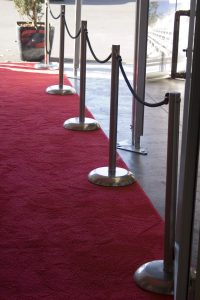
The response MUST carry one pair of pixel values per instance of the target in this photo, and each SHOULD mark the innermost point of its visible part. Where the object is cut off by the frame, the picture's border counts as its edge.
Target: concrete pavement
(109, 23)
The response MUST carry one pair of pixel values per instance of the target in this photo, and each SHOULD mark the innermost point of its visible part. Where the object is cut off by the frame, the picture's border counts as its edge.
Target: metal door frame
(178, 15)
(189, 161)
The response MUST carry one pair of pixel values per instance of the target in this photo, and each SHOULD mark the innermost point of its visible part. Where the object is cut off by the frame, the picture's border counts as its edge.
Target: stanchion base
(101, 176)
(152, 277)
(56, 90)
(127, 146)
(75, 124)
(43, 66)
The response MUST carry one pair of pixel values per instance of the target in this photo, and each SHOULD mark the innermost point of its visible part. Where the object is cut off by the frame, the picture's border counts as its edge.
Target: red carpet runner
(61, 237)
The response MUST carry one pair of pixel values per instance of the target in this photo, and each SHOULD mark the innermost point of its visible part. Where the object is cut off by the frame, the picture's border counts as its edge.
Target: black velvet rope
(55, 18)
(93, 54)
(165, 101)
(71, 36)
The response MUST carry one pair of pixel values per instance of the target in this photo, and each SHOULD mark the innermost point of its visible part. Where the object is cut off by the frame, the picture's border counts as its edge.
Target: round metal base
(152, 277)
(101, 176)
(43, 66)
(75, 124)
(57, 90)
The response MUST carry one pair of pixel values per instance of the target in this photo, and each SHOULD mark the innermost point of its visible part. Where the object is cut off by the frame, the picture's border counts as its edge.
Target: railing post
(61, 89)
(158, 275)
(81, 122)
(111, 175)
(47, 45)
(171, 180)
(47, 34)
(77, 41)
(83, 70)
(62, 46)
(113, 110)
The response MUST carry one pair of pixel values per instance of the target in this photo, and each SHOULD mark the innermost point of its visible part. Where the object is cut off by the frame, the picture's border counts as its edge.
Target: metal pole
(81, 122)
(46, 64)
(83, 70)
(157, 276)
(111, 175)
(62, 46)
(77, 40)
(113, 109)
(171, 180)
(135, 66)
(47, 44)
(61, 89)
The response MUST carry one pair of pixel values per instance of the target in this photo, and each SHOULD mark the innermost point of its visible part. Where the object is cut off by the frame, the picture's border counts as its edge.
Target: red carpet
(61, 237)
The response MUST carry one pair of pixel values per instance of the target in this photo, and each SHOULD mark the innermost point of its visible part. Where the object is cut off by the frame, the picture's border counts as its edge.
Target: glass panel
(160, 34)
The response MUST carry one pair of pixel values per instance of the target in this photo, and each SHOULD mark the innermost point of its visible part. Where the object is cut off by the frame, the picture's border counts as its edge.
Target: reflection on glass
(160, 34)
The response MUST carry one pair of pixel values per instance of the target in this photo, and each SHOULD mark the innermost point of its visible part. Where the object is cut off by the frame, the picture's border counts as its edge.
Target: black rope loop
(93, 54)
(55, 18)
(165, 101)
(71, 36)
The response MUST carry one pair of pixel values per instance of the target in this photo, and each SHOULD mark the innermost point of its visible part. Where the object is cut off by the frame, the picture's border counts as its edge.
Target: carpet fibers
(61, 237)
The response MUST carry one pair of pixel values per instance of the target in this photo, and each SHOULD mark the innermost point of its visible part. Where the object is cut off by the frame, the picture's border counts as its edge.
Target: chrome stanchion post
(81, 122)
(171, 180)
(61, 89)
(83, 70)
(111, 175)
(46, 64)
(158, 276)
(47, 34)
(77, 41)
(62, 47)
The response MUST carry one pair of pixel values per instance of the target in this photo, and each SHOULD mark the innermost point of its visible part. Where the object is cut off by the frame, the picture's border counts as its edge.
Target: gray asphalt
(109, 23)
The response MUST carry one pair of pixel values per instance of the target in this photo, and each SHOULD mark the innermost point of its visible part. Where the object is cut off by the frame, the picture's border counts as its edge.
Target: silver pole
(47, 44)
(83, 70)
(45, 65)
(157, 276)
(61, 89)
(62, 46)
(135, 66)
(81, 123)
(171, 180)
(112, 175)
(113, 109)
(77, 40)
